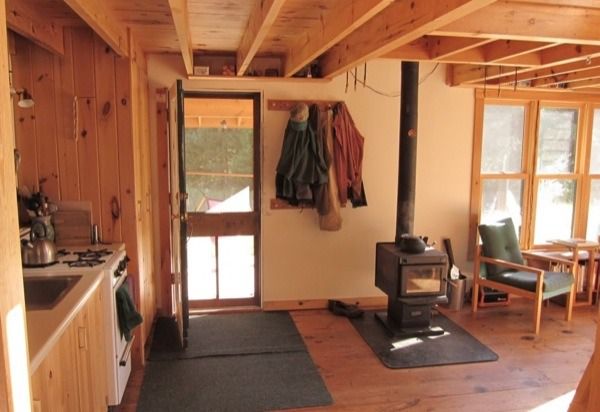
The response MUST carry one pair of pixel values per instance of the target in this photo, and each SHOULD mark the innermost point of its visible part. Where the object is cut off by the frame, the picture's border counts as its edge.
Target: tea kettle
(37, 252)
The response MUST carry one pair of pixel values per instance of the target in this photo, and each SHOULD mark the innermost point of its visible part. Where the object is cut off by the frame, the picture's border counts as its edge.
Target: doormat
(454, 346)
(228, 334)
(235, 368)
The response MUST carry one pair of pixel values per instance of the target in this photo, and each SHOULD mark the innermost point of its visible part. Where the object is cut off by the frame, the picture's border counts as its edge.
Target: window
(537, 162)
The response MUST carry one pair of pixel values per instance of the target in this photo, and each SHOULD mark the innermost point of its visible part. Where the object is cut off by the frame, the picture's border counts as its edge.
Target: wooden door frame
(256, 98)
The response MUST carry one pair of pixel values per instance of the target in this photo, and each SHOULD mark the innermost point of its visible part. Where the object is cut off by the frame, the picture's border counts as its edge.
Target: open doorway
(221, 169)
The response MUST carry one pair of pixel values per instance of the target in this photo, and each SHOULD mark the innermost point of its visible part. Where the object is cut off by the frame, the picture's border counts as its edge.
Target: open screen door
(178, 213)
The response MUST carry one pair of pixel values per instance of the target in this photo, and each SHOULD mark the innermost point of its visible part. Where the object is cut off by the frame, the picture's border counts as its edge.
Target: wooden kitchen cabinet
(72, 377)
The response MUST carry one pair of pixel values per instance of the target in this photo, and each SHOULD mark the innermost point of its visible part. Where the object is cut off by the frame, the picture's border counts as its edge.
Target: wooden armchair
(506, 271)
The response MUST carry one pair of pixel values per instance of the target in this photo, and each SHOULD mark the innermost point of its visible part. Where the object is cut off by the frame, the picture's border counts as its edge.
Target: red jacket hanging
(348, 156)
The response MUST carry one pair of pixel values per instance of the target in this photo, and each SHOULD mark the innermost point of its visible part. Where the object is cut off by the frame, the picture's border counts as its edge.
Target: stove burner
(93, 254)
(82, 263)
(61, 253)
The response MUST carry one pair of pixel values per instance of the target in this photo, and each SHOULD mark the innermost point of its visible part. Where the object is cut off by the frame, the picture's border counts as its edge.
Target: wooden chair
(506, 270)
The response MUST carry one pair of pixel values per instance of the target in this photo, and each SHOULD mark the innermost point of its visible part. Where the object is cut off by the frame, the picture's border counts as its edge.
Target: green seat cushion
(553, 281)
(499, 241)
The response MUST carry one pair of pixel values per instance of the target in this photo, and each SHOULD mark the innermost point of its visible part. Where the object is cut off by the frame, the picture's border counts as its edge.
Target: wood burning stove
(413, 283)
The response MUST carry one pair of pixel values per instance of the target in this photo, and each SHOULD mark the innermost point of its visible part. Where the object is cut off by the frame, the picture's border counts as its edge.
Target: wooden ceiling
(543, 44)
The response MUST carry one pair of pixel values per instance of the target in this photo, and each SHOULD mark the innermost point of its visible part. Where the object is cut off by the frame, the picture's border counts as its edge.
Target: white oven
(112, 261)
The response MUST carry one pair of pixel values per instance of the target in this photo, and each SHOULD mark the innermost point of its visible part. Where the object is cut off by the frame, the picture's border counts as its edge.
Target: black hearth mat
(455, 346)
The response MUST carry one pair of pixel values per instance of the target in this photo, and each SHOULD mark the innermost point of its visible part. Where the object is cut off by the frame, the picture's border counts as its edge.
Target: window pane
(593, 229)
(202, 268)
(502, 198)
(502, 138)
(557, 140)
(236, 267)
(595, 161)
(554, 210)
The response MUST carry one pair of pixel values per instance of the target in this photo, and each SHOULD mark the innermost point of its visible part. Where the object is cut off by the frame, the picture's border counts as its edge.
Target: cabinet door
(91, 359)
(54, 384)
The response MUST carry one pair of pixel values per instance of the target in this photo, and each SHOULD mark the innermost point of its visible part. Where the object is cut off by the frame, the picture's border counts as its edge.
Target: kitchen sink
(43, 293)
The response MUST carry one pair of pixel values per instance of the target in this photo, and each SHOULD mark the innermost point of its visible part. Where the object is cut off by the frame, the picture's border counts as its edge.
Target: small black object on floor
(348, 310)
(454, 346)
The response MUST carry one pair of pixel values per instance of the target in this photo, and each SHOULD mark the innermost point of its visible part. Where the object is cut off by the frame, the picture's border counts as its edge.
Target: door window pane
(593, 228)
(201, 268)
(502, 149)
(557, 140)
(219, 155)
(595, 160)
(554, 211)
(236, 267)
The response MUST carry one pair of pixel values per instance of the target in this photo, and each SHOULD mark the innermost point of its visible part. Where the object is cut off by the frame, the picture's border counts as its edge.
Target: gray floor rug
(455, 346)
(229, 334)
(272, 368)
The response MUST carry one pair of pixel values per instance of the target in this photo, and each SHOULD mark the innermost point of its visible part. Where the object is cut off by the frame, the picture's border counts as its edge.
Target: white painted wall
(301, 262)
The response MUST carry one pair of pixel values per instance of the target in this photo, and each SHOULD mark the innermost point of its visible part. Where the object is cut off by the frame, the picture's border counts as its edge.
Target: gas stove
(84, 257)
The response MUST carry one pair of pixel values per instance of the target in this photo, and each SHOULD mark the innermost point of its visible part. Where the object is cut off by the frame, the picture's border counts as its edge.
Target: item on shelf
(201, 70)
(228, 70)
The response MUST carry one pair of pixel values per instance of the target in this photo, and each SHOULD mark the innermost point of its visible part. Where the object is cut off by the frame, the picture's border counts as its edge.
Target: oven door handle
(127, 352)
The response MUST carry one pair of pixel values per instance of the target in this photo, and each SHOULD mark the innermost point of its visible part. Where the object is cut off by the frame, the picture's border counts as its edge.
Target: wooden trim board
(300, 304)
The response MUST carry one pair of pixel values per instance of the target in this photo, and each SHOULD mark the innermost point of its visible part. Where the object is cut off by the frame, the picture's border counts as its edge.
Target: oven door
(123, 348)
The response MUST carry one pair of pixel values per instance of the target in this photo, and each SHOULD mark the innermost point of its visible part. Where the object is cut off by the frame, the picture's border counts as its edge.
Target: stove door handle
(127, 352)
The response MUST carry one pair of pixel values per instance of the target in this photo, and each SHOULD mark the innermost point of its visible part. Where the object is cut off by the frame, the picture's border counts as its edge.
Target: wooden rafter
(584, 84)
(565, 78)
(334, 26)
(179, 12)
(442, 47)
(28, 22)
(529, 22)
(261, 20)
(563, 54)
(502, 50)
(398, 24)
(104, 22)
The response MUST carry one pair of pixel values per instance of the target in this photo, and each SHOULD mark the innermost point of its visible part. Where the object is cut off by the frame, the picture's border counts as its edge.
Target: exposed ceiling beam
(338, 23)
(398, 24)
(260, 22)
(28, 22)
(104, 22)
(508, 49)
(566, 78)
(179, 12)
(552, 71)
(563, 54)
(584, 84)
(441, 47)
(530, 22)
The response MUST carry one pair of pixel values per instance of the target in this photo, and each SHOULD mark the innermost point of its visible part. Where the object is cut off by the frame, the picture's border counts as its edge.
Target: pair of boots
(344, 309)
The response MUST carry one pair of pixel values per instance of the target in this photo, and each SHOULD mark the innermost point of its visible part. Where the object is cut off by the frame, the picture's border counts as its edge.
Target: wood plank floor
(531, 374)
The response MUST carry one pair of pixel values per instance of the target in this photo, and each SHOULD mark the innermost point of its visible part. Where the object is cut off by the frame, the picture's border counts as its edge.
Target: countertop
(45, 327)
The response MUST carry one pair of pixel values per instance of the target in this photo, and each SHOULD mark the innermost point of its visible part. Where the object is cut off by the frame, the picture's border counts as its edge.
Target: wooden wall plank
(83, 60)
(45, 120)
(24, 118)
(68, 164)
(87, 151)
(108, 154)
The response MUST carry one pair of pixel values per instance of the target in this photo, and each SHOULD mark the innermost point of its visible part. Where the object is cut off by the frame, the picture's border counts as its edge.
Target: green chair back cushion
(499, 241)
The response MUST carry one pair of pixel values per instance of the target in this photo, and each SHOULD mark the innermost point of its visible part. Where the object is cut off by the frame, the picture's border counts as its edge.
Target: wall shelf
(261, 79)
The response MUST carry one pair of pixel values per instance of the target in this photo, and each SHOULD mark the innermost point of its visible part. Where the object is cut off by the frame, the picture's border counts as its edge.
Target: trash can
(456, 292)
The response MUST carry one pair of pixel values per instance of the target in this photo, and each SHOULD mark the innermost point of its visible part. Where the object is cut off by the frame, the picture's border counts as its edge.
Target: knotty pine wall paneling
(104, 69)
(93, 121)
(64, 86)
(24, 118)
